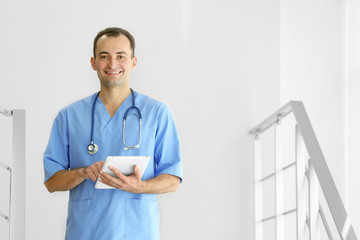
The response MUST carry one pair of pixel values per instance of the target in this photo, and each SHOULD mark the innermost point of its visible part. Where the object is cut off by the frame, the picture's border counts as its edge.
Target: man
(131, 210)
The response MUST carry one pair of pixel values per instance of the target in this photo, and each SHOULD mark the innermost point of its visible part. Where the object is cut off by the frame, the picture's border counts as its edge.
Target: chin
(113, 83)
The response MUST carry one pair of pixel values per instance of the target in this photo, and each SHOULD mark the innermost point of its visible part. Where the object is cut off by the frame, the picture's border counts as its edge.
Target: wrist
(144, 185)
(81, 173)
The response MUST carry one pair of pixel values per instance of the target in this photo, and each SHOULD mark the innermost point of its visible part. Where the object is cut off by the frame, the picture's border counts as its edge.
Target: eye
(103, 57)
(121, 57)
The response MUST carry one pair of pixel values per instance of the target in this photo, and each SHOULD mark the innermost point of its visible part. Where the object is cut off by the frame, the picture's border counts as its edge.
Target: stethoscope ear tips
(92, 148)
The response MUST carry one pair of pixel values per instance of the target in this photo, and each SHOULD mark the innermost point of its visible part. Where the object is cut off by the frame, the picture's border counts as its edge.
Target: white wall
(216, 63)
(320, 64)
(353, 112)
(313, 71)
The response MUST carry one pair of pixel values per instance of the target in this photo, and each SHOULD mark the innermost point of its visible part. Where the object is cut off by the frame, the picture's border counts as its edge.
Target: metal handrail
(325, 179)
(6, 167)
(6, 112)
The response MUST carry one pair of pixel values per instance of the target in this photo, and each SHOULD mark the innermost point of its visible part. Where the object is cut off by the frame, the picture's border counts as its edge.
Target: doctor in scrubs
(130, 211)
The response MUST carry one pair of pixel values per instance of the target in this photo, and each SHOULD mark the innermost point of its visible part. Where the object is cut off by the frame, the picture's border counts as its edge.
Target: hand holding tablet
(125, 164)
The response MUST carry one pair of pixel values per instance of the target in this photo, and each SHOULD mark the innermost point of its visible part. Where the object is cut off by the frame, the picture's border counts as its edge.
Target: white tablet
(125, 164)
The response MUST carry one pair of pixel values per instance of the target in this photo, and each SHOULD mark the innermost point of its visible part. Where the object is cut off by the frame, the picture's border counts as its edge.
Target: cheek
(100, 66)
(128, 63)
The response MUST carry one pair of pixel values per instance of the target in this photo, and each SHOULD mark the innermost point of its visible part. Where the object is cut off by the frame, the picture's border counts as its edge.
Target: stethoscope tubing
(92, 118)
(93, 148)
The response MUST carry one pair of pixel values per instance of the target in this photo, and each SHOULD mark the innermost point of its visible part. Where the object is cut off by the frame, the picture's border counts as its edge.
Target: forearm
(163, 183)
(68, 179)
(65, 180)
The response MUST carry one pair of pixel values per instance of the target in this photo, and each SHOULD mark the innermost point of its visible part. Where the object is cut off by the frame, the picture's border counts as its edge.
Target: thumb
(137, 171)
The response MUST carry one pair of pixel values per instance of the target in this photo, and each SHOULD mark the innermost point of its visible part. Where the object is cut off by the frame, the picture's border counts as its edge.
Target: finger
(137, 172)
(121, 176)
(96, 167)
(109, 180)
(95, 170)
(100, 165)
(91, 175)
(105, 178)
(105, 181)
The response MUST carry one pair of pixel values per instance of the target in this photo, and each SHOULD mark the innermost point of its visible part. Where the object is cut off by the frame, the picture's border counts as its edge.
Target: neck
(113, 97)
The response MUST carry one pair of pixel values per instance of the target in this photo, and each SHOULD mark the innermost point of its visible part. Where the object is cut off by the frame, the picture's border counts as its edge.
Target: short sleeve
(56, 156)
(167, 145)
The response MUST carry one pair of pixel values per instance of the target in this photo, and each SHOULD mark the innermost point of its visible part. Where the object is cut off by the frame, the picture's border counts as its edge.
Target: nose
(113, 63)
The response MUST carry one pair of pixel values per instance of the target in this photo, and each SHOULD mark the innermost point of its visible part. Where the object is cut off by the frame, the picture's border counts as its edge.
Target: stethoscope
(93, 147)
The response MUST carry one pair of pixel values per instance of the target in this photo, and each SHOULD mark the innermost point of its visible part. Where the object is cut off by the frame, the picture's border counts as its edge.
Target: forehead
(113, 44)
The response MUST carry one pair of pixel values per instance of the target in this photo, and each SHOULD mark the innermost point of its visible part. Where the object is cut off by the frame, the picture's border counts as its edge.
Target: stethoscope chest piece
(92, 148)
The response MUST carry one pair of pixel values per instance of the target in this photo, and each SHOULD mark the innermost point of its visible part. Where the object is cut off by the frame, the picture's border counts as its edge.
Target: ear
(134, 61)
(92, 61)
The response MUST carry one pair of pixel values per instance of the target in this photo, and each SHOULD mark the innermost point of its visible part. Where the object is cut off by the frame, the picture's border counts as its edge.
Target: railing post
(17, 208)
(258, 188)
(301, 192)
(279, 181)
(314, 203)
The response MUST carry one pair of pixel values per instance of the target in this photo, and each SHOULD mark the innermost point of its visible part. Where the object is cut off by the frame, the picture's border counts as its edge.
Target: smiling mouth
(113, 72)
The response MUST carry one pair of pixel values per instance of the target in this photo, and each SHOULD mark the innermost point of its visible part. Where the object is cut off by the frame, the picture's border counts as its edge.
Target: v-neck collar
(111, 122)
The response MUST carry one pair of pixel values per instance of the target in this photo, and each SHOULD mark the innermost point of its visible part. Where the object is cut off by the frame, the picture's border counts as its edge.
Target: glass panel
(268, 152)
(4, 191)
(268, 200)
(329, 219)
(6, 139)
(4, 229)
(307, 197)
(289, 188)
(322, 231)
(290, 226)
(288, 133)
(307, 233)
(289, 120)
(6, 156)
(269, 230)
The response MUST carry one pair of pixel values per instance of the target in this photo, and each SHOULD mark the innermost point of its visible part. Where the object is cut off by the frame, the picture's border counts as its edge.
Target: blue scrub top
(112, 213)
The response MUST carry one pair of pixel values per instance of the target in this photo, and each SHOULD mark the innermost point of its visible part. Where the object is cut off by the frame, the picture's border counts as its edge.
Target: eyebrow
(121, 52)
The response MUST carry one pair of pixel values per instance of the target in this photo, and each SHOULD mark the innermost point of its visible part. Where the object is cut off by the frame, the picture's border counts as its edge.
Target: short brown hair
(115, 32)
